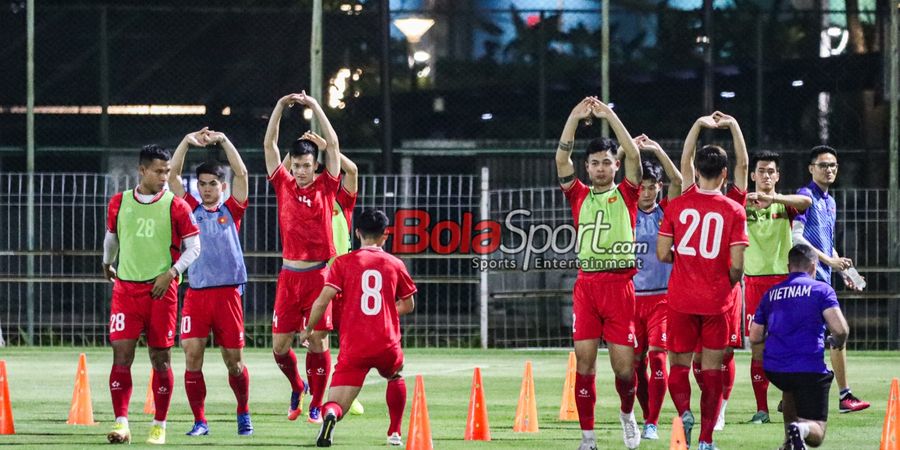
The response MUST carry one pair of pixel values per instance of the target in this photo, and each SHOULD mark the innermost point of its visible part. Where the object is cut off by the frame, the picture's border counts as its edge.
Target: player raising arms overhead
(377, 289)
(603, 298)
(145, 229)
(708, 233)
(217, 278)
(305, 208)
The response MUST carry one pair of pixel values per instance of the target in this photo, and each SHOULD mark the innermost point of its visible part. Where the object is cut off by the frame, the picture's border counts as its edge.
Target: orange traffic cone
(567, 409)
(6, 417)
(676, 442)
(890, 434)
(81, 412)
(149, 405)
(418, 437)
(526, 412)
(477, 428)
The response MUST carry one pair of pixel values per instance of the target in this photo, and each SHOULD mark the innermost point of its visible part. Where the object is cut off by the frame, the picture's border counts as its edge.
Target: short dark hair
(652, 171)
(710, 161)
(818, 150)
(371, 223)
(601, 145)
(302, 147)
(764, 155)
(153, 151)
(802, 256)
(213, 168)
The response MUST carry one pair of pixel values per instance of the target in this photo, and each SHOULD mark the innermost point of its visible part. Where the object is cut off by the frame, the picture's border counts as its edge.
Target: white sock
(588, 435)
(804, 429)
(161, 423)
(122, 419)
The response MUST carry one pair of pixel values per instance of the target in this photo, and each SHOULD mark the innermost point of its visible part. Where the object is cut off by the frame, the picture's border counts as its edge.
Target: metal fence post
(29, 138)
(483, 283)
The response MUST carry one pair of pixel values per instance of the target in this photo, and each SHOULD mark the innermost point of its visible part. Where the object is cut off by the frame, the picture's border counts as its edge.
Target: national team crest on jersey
(223, 220)
(613, 200)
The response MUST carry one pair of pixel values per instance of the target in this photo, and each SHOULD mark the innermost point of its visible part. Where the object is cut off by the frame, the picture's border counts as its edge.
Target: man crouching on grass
(377, 290)
(791, 320)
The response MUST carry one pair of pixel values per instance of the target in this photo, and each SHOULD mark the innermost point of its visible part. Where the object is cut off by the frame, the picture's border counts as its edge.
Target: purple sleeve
(762, 311)
(828, 298)
(802, 216)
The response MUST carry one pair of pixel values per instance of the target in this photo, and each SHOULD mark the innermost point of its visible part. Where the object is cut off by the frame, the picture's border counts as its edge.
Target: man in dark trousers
(791, 320)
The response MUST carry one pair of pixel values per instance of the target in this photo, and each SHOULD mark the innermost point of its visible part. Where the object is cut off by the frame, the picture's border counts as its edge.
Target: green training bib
(145, 237)
(605, 234)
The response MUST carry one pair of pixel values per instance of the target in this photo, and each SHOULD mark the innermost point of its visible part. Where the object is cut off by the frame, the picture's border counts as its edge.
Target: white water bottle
(852, 275)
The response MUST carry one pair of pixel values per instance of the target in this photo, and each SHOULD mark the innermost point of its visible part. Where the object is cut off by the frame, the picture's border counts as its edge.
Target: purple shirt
(792, 314)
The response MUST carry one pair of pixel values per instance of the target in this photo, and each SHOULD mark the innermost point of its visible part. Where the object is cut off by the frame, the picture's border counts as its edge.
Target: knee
(160, 359)
(625, 375)
(235, 368)
(318, 342)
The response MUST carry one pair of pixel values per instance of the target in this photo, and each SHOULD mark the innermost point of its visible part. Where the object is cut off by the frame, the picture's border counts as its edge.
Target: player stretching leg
(650, 285)
(603, 298)
(305, 207)
(377, 290)
(769, 217)
(707, 231)
(145, 230)
(217, 278)
(815, 228)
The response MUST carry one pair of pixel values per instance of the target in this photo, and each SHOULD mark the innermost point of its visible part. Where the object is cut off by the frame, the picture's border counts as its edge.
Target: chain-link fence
(471, 291)
(486, 74)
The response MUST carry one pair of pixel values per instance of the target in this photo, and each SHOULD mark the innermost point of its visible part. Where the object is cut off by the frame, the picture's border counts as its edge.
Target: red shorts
(650, 314)
(736, 318)
(217, 308)
(352, 371)
(295, 294)
(688, 331)
(603, 308)
(133, 311)
(754, 289)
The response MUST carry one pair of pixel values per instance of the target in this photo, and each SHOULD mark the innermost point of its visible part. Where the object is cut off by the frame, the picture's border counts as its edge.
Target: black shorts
(810, 391)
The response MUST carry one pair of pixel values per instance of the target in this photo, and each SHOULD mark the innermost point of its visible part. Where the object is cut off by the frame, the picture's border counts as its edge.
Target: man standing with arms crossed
(146, 228)
(217, 278)
(305, 208)
(815, 227)
(708, 233)
(603, 298)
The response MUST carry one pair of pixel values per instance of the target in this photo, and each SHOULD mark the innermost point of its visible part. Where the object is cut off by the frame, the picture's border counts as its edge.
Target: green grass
(41, 382)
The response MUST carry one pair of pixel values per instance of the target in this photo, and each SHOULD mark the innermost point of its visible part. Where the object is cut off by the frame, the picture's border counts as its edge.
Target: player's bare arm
(240, 184)
(350, 181)
(675, 180)
(837, 325)
(742, 160)
(406, 305)
(633, 170)
(736, 271)
(690, 149)
(318, 310)
(196, 139)
(799, 202)
(270, 142)
(565, 168)
(664, 249)
(757, 333)
(333, 149)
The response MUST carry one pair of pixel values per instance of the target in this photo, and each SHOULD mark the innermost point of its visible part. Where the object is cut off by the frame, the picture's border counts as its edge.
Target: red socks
(240, 384)
(318, 367)
(333, 407)
(680, 388)
(625, 389)
(656, 388)
(195, 387)
(163, 383)
(585, 399)
(288, 365)
(695, 365)
(120, 389)
(641, 381)
(710, 402)
(727, 375)
(395, 396)
(760, 385)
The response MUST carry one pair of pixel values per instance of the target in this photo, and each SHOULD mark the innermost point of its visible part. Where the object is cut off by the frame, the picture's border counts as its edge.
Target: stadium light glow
(487, 116)
(307, 114)
(797, 83)
(727, 94)
(337, 88)
(413, 28)
(113, 110)
(421, 56)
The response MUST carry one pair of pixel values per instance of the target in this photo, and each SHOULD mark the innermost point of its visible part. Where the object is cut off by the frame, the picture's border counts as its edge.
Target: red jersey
(304, 215)
(347, 202)
(737, 195)
(236, 209)
(371, 280)
(183, 226)
(704, 225)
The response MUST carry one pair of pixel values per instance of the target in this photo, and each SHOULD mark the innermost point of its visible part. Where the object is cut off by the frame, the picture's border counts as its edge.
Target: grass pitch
(41, 382)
